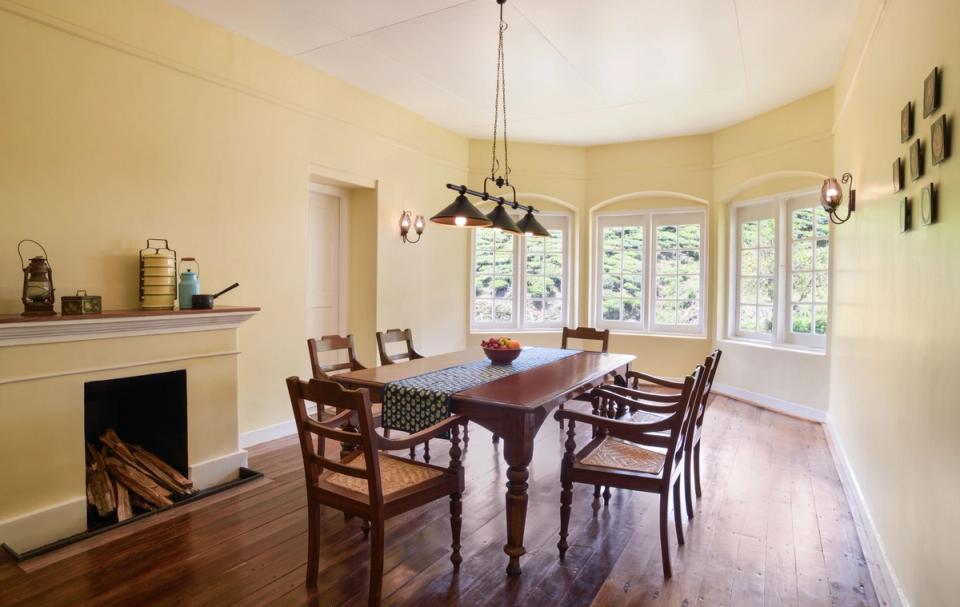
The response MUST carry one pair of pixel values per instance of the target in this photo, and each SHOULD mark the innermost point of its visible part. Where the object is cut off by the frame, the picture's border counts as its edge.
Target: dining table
(512, 407)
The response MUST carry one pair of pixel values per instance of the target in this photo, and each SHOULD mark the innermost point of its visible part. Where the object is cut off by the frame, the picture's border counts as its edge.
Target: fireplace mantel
(24, 330)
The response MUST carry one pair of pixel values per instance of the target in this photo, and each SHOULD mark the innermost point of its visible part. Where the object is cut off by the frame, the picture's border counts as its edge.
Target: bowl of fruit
(501, 350)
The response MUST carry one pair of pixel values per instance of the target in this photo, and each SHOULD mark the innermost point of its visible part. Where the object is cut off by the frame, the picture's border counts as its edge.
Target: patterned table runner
(416, 403)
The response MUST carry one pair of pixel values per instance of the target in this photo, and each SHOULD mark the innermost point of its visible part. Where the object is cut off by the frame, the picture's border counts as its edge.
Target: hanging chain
(500, 100)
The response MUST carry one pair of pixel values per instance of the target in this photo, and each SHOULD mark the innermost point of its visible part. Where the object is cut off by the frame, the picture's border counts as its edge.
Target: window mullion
(784, 258)
(519, 281)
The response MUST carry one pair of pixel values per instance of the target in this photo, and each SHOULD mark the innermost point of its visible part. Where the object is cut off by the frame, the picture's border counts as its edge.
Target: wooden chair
(587, 334)
(369, 484)
(640, 456)
(692, 459)
(396, 336)
(336, 343)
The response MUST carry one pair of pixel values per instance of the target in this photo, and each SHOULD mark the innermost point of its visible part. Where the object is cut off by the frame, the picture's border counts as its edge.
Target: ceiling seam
(743, 60)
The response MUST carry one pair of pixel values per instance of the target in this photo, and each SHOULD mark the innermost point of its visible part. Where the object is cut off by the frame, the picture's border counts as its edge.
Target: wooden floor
(773, 528)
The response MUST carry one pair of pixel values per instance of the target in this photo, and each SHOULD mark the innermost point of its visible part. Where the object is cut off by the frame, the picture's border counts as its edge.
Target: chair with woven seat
(368, 483)
(393, 336)
(692, 457)
(636, 455)
(584, 334)
(336, 344)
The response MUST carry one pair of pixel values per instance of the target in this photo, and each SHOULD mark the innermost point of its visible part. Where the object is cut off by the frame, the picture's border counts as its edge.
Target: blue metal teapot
(189, 283)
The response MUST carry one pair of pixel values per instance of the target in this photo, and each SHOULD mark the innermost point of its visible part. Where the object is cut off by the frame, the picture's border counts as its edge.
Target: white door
(324, 253)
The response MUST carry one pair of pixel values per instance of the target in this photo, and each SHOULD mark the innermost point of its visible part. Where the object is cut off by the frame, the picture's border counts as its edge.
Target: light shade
(501, 219)
(461, 213)
(530, 226)
(831, 195)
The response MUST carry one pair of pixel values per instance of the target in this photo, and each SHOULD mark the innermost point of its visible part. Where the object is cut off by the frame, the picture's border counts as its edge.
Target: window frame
(782, 205)
(551, 221)
(649, 219)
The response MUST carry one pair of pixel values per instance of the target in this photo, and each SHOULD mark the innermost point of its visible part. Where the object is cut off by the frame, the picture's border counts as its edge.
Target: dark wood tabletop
(513, 407)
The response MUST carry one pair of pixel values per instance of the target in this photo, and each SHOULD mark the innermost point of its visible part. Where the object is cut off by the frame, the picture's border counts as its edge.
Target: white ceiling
(578, 72)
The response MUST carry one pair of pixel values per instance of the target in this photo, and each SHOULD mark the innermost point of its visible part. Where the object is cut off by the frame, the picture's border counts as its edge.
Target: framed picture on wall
(905, 212)
(928, 205)
(916, 160)
(906, 122)
(939, 140)
(897, 175)
(931, 92)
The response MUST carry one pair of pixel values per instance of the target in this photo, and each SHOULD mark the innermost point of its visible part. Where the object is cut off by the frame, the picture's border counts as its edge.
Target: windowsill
(688, 336)
(509, 331)
(740, 341)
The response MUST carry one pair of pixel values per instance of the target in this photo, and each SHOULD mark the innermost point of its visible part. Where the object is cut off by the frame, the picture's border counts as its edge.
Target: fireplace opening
(144, 419)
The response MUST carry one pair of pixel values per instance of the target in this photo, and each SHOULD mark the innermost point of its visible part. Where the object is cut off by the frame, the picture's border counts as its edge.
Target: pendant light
(461, 212)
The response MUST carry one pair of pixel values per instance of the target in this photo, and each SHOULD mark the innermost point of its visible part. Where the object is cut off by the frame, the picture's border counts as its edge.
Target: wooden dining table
(512, 407)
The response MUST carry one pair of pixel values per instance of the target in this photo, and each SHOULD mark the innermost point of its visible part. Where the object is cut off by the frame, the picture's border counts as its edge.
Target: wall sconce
(831, 195)
(418, 224)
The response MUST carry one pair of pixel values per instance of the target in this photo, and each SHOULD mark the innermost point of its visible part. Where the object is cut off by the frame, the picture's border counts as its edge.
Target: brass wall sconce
(405, 223)
(831, 196)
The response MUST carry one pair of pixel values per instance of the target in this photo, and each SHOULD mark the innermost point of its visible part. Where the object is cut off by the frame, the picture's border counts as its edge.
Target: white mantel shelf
(20, 330)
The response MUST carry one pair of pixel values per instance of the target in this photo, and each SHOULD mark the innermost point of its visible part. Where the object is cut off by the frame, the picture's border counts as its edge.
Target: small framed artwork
(939, 140)
(931, 92)
(928, 205)
(906, 122)
(905, 212)
(916, 160)
(897, 175)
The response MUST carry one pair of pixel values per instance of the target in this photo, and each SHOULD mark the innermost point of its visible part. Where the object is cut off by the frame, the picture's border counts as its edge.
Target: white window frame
(780, 207)
(551, 221)
(649, 219)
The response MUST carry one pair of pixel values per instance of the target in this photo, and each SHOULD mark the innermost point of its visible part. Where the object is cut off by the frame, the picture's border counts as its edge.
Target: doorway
(326, 260)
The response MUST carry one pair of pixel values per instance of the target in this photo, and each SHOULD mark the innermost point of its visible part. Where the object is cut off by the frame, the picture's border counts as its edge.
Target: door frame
(343, 247)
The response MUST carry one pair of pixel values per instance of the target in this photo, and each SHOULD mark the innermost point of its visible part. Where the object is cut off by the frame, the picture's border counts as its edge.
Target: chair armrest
(606, 390)
(388, 444)
(653, 379)
(638, 432)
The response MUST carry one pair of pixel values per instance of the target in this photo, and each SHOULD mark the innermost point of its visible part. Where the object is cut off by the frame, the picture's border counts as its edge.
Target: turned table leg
(518, 451)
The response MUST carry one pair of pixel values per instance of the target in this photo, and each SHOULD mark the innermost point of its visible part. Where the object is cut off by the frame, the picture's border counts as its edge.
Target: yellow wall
(125, 120)
(893, 341)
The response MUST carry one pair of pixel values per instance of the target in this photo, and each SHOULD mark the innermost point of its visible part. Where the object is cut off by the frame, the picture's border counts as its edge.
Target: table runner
(416, 403)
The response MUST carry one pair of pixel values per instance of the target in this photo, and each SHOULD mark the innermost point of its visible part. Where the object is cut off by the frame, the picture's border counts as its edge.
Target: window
(663, 274)
(781, 257)
(521, 282)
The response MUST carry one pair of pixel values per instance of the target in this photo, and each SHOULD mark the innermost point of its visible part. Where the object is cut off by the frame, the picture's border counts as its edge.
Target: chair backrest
(710, 363)
(355, 407)
(332, 343)
(587, 333)
(692, 390)
(396, 336)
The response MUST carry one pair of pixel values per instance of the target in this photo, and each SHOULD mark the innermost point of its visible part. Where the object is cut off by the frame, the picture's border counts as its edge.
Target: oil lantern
(37, 283)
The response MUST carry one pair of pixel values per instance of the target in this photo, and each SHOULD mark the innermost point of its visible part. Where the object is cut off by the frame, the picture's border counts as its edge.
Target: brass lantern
(37, 283)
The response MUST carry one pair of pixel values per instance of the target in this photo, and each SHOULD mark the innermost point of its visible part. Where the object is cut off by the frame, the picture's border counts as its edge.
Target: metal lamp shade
(529, 225)
(501, 219)
(461, 213)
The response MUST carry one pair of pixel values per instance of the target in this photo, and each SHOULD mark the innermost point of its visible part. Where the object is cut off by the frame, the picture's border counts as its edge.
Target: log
(124, 508)
(139, 503)
(99, 485)
(139, 483)
(163, 472)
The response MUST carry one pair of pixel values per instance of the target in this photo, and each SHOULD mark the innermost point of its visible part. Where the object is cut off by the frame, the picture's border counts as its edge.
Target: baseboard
(885, 583)
(272, 432)
(769, 402)
(41, 527)
(217, 470)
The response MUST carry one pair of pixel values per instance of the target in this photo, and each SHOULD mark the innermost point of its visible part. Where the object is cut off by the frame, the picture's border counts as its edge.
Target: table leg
(518, 451)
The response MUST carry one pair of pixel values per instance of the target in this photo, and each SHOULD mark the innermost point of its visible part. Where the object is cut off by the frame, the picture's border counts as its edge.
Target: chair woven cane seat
(395, 475)
(615, 453)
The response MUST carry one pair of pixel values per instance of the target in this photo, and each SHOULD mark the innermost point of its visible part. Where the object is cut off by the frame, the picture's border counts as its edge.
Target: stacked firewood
(123, 476)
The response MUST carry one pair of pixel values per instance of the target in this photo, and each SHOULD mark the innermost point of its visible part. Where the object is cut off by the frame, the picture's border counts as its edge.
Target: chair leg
(678, 511)
(386, 432)
(466, 433)
(606, 496)
(413, 453)
(456, 509)
(596, 498)
(313, 543)
(566, 498)
(664, 538)
(426, 452)
(496, 438)
(696, 469)
(365, 528)
(686, 483)
(376, 563)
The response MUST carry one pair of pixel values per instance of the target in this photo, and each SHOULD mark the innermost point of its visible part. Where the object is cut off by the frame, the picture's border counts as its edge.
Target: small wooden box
(81, 303)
